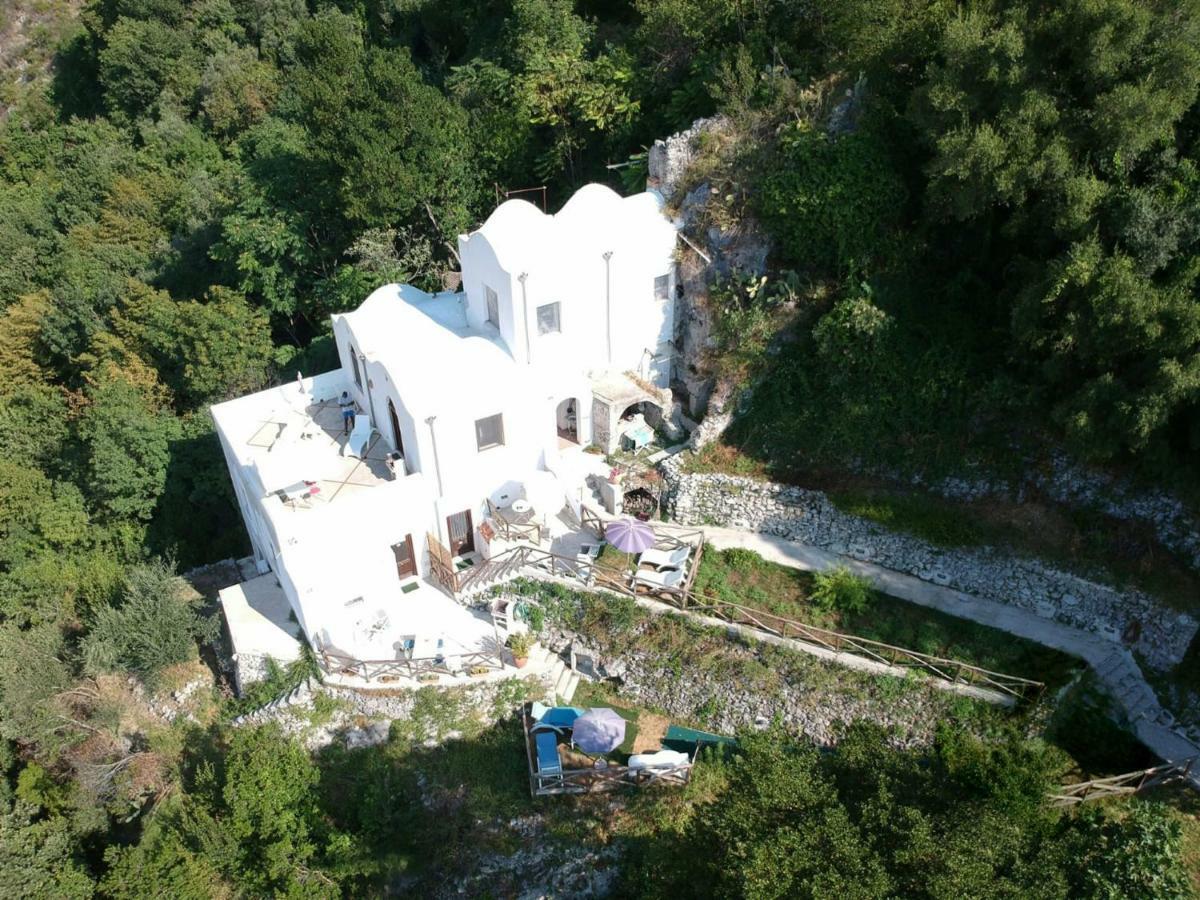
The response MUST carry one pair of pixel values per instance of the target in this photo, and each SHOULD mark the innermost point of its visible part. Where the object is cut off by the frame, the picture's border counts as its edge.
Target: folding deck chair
(548, 763)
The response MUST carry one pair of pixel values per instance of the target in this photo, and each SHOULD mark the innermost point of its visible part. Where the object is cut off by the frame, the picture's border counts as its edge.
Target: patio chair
(556, 718)
(669, 579)
(360, 438)
(548, 763)
(665, 559)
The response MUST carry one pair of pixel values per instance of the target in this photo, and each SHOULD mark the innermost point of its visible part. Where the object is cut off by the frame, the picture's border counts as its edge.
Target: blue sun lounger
(555, 718)
(548, 763)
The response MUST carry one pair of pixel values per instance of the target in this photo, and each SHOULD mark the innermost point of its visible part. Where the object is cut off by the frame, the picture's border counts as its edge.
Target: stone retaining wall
(807, 696)
(1079, 487)
(808, 517)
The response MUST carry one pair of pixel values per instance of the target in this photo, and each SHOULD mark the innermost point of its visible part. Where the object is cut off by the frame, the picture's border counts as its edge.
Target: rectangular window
(493, 306)
(548, 319)
(489, 432)
(662, 287)
(354, 363)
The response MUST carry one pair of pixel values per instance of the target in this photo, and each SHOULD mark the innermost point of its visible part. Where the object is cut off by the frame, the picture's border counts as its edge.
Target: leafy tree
(392, 143)
(37, 516)
(205, 351)
(830, 201)
(33, 424)
(141, 57)
(1135, 856)
(40, 858)
(126, 446)
(237, 90)
(270, 797)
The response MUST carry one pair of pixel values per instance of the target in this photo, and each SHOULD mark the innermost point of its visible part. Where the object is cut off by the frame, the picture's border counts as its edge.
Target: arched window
(354, 363)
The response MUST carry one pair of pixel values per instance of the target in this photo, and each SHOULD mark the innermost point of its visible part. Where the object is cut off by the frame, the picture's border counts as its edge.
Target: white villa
(471, 406)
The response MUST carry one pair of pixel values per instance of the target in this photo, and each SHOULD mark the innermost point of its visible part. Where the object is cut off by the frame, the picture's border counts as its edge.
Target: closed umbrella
(598, 731)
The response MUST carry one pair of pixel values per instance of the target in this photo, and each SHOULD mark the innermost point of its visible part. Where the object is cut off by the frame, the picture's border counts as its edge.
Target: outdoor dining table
(518, 513)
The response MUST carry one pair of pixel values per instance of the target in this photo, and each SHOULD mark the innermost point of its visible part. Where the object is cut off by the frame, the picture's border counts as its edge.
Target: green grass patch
(742, 576)
(938, 523)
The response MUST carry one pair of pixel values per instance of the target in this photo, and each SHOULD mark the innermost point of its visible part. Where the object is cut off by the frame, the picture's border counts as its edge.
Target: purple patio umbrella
(598, 730)
(630, 535)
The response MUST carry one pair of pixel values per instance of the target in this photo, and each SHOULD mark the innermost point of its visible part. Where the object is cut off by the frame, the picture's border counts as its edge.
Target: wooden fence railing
(1120, 785)
(950, 670)
(593, 574)
(392, 669)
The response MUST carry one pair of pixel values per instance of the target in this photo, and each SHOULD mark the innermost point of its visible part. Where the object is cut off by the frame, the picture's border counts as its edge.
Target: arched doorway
(636, 426)
(566, 418)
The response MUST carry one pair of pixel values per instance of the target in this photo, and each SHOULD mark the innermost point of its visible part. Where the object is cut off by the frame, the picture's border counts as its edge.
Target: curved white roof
(427, 348)
(596, 218)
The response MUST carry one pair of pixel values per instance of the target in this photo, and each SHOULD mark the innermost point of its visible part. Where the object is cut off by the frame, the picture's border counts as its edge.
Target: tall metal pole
(525, 308)
(437, 466)
(608, 301)
(362, 359)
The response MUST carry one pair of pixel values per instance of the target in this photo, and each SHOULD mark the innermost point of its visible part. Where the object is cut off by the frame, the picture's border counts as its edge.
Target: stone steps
(561, 681)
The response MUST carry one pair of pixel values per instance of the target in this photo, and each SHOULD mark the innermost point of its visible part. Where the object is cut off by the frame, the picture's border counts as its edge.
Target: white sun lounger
(670, 578)
(666, 559)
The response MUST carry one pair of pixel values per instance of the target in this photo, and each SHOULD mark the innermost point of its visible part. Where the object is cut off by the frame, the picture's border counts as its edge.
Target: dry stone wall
(752, 685)
(1160, 634)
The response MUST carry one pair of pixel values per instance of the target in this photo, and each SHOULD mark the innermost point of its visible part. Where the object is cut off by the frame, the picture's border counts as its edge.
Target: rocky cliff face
(707, 252)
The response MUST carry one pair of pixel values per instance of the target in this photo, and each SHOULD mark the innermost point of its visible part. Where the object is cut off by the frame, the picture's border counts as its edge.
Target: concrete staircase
(1155, 727)
(560, 680)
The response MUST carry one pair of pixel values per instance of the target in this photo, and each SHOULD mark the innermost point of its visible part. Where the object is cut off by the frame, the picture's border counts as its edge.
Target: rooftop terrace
(295, 441)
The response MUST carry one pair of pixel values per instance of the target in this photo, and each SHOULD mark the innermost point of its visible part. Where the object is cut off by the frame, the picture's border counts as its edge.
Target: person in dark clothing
(347, 406)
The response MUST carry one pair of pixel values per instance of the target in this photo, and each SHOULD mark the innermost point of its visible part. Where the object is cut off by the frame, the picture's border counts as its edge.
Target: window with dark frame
(489, 432)
(493, 306)
(662, 286)
(548, 320)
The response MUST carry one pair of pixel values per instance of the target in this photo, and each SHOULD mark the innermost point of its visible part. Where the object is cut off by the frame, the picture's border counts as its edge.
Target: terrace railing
(1121, 785)
(595, 574)
(951, 670)
(332, 663)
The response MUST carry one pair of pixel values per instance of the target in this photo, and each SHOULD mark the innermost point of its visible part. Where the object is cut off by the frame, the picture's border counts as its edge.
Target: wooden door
(406, 559)
(462, 535)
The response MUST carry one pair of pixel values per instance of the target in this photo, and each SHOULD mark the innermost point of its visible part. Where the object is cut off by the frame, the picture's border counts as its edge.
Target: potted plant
(520, 644)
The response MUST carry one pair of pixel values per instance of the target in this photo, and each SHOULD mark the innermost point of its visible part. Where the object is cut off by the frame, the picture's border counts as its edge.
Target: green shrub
(155, 626)
(520, 644)
(841, 590)
(829, 201)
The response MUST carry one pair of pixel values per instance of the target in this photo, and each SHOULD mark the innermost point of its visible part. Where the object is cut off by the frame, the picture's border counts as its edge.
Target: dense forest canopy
(1000, 250)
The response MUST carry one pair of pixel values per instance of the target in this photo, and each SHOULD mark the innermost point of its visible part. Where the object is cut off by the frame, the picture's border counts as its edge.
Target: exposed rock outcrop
(708, 252)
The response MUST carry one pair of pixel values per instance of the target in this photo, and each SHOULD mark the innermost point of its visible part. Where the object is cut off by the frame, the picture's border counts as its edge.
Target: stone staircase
(1155, 726)
(489, 573)
(561, 681)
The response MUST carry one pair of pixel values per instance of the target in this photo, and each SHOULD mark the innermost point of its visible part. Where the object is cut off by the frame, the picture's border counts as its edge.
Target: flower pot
(520, 661)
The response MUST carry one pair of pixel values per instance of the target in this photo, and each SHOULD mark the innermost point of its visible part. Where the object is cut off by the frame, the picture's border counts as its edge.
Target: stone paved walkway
(1112, 663)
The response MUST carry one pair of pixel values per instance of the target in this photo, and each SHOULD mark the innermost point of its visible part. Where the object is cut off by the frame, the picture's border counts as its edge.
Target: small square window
(548, 319)
(489, 432)
(662, 287)
(493, 306)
